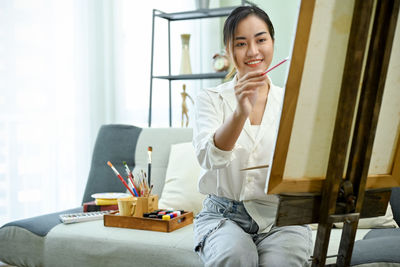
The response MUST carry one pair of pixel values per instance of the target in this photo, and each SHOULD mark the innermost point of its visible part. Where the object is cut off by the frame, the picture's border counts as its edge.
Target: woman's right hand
(246, 91)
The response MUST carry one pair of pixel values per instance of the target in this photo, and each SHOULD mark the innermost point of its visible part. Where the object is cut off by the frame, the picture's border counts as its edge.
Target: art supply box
(147, 205)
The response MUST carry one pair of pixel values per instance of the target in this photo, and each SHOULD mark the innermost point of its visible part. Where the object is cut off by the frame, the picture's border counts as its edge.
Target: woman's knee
(283, 259)
(287, 246)
(233, 254)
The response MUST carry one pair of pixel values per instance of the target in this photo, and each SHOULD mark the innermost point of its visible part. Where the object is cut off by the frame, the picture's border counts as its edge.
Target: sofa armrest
(41, 225)
(22, 241)
(395, 203)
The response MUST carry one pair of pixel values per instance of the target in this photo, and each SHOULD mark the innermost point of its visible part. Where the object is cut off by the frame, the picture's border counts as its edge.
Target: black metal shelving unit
(216, 75)
(188, 15)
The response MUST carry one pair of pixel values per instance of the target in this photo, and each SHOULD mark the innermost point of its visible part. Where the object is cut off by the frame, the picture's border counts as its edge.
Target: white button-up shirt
(221, 173)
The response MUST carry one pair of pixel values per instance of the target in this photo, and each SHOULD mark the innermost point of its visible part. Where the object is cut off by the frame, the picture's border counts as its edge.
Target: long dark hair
(237, 15)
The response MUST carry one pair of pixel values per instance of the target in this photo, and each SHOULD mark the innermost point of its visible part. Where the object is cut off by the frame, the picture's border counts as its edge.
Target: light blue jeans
(225, 235)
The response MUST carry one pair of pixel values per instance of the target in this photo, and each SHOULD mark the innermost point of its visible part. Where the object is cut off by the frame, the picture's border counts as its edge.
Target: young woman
(236, 127)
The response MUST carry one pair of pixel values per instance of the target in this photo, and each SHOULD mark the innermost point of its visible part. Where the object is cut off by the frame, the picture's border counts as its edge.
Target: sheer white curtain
(66, 68)
(47, 111)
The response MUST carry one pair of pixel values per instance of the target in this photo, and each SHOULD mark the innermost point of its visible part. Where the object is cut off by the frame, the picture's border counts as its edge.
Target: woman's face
(252, 45)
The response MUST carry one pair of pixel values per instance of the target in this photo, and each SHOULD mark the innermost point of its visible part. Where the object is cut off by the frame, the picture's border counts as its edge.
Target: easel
(345, 200)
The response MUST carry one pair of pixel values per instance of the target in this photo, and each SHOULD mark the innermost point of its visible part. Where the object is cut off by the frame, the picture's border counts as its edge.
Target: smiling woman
(236, 126)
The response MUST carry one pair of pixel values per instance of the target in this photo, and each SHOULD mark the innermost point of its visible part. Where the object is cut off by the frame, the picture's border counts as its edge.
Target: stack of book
(92, 206)
(103, 202)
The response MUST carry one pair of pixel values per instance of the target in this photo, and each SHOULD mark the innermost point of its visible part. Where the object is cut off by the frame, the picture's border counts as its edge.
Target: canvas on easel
(311, 100)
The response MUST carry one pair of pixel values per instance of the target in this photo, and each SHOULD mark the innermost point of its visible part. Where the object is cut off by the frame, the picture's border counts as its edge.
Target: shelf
(197, 14)
(179, 16)
(216, 75)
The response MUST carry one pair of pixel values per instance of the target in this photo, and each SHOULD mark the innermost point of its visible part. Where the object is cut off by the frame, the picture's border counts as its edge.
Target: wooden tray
(150, 224)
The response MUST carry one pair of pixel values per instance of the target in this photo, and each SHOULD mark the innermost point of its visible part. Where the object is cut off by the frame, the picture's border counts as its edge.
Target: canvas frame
(277, 182)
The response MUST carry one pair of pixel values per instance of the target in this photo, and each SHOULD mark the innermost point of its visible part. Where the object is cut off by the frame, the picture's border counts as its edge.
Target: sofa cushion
(385, 221)
(180, 189)
(160, 139)
(92, 244)
(115, 143)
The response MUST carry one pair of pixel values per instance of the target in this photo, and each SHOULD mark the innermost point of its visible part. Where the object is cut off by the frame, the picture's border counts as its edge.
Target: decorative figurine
(184, 106)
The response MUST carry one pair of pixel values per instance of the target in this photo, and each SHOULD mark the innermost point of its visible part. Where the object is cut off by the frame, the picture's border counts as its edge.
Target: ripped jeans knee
(199, 246)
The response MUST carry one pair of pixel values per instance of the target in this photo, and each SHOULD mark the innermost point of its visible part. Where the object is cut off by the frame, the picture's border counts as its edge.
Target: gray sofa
(44, 241)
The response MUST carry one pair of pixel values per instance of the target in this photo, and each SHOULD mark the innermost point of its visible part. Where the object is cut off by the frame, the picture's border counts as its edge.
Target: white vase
(185, 60)
(202, 4)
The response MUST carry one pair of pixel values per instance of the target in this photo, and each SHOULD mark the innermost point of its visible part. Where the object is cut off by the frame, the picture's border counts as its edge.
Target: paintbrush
(149, 151)
(120, 177)
(130, 176)
(283, 61)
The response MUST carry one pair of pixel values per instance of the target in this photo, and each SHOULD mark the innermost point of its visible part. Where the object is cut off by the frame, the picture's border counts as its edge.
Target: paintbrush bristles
(112, 167)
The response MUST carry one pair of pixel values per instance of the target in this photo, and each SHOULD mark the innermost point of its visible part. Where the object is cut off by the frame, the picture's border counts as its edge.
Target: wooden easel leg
(321, 244)
(347, 243)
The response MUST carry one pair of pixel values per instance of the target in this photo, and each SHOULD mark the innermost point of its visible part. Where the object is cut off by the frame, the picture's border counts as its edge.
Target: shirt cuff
(218, 158)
